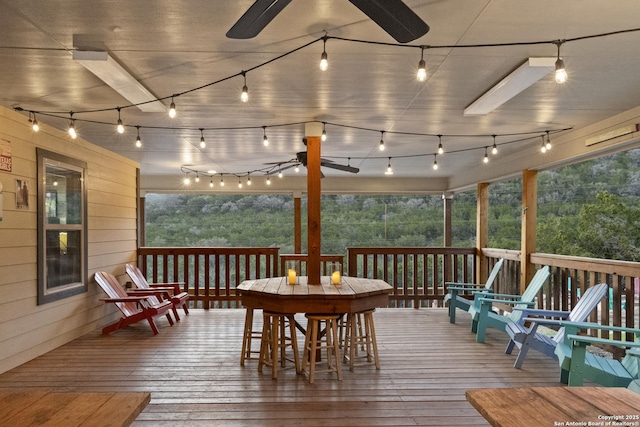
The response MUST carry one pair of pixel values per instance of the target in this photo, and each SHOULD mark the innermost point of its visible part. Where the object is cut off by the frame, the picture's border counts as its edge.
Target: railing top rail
(423, 250)
(607, 266)
(206, 250)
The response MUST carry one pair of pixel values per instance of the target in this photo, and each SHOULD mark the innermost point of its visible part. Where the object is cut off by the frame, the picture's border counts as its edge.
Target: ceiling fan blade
(395, 17)
(256, 18)
(337, 166)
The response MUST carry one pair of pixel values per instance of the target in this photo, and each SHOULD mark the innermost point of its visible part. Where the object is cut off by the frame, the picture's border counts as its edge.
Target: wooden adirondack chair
(482, 312)
(527, 337)
(463, 302)
(576, 363)
(133, 307)
(171, 290)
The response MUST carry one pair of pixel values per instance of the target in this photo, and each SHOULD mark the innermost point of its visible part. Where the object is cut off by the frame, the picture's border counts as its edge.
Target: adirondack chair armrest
(464, 285)
(496, 296)
(572, 328)
(155, 288)
(508, 302)
(176, 286)
(124, 299)
(149, 292)
(528, 312)
(141, 300)
(541, 321)
(584, 339)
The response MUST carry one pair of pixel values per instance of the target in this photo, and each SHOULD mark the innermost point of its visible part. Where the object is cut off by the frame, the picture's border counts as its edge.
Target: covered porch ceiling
(369, 91)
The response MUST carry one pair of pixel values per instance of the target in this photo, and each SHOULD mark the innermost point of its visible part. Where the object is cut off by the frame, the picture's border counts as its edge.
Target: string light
(186, 180)
(197, 178)
(138, 141)
(120, 127)
(248, 179)
(265, 140)
(435, 162)
(548, 143)
(297, 168)
(268, 180)
(72, 127)
(324, 133)
(221, 180)
(543, 148)
(280, 173)
(440, 148)
(172, 109)
(239, 183)
(324, 63)
(211, 183)
(486, 156)
(561, 73)
(244, 96)
(381, 146)
(494, 149)
(389, 171)
(422, 67)
(202, 143)
(34, 123)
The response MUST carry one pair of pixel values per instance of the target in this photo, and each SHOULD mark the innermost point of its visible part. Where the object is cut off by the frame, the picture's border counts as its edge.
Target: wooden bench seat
(71, 409)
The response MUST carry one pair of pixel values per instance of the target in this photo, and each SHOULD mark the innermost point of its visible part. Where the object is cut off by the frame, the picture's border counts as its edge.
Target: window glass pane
(63, 258)
(63, 196)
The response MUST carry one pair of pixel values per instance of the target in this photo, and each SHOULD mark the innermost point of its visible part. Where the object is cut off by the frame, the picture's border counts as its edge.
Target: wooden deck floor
(192, 371)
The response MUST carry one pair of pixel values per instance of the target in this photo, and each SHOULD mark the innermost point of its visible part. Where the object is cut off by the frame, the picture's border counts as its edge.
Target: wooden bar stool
(274, 342)
(315, 341)
(360, 334)
(249, 335)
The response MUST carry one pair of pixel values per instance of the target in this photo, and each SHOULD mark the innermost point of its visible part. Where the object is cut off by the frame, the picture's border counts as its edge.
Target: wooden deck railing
(416, 274)
(210, 275)
(571, 276)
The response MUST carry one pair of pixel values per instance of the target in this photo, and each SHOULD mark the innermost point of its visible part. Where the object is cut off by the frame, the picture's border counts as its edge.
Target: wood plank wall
(26, 329)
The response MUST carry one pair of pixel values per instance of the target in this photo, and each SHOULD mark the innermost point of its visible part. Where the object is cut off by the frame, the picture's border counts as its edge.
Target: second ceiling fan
(393, 16)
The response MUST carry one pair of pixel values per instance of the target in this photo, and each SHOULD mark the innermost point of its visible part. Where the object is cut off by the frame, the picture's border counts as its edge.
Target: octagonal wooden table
(353, 295)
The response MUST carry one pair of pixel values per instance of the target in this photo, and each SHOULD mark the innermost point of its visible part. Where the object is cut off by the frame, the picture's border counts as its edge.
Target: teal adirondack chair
(527, 337)
(456, 300)
(483, 315)
(577, 364)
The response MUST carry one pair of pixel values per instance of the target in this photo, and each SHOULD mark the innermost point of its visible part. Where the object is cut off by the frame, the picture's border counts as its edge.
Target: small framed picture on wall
(22, 194)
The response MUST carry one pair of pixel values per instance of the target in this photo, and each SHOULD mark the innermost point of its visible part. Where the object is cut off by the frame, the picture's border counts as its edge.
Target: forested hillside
(588, 209)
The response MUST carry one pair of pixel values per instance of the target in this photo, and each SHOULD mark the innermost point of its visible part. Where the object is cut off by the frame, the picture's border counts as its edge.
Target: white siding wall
(26, 329)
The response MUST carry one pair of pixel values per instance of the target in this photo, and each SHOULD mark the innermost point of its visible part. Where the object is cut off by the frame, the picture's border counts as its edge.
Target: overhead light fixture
(324, 63)
(113, 74)
(422, 68)
(561, 72)
(532, 70)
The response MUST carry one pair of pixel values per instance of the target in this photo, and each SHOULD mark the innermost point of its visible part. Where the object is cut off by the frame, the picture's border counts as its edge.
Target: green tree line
(587, 209)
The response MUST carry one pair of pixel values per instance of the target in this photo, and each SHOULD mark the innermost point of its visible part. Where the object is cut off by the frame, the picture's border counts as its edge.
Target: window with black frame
(62, 227)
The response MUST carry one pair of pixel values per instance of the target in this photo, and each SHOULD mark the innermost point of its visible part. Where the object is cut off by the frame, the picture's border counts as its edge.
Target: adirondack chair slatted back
(530, 293)
(585, 305)
(114, 289)
(494, 273)
(138, 278)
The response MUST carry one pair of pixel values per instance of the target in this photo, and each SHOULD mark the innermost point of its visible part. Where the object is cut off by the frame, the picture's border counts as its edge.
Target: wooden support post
(528, 235)
(482, 230)
(297, 223)
(447, 199)
(313, 132)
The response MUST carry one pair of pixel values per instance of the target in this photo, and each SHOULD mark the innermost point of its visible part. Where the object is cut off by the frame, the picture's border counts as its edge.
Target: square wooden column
(482, 229)
(313, 132)
(529, 220)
